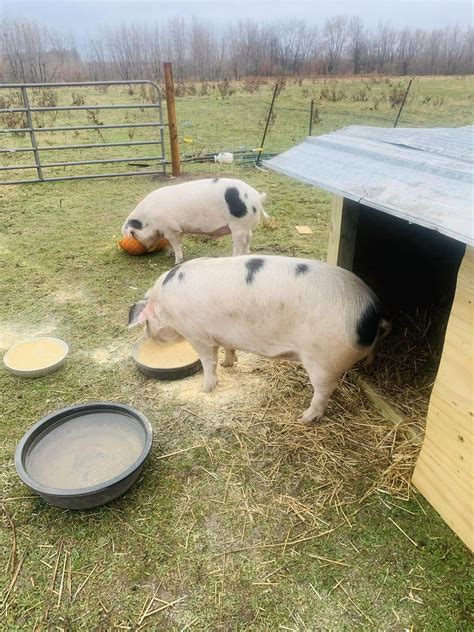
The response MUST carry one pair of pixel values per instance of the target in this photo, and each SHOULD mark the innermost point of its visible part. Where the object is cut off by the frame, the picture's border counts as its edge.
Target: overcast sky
(82, 16)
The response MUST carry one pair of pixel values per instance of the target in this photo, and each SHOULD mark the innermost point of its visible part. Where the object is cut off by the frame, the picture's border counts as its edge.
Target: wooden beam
(342, 232)
(172, 125)
(444, 473)
(388, 410)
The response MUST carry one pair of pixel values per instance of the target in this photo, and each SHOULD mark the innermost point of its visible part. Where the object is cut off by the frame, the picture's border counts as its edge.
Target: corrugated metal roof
(422, 175)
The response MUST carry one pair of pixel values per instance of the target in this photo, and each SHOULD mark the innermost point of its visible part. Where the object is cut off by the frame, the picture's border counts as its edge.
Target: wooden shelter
(402, 219)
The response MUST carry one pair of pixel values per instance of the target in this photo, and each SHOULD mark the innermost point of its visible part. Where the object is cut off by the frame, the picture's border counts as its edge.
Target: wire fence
(232, 117)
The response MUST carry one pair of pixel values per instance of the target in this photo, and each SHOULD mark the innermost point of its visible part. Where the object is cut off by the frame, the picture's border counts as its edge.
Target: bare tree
(203, 50)
(409, 44)
(450, 39)
(357, 45)
(383, 47)
(468, 51)
(336, 31)
(175, 45)
(31, 52)
(297, 44)
(433, 51)
(97, 55)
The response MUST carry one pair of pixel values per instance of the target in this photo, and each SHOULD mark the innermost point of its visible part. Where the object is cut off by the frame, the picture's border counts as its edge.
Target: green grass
(63, 274)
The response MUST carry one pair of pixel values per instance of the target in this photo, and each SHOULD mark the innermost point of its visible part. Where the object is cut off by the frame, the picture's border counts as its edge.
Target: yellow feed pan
(166, 361)
(36, 357)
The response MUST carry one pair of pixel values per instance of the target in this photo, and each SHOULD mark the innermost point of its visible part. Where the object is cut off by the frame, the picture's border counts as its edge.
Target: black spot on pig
(368, 324)
(171, 274)
(246, 195)
(301, 268)
(135, 223)
(253, 266)
(215, 179)
(236, 206)
(254, 209)
(181, 276)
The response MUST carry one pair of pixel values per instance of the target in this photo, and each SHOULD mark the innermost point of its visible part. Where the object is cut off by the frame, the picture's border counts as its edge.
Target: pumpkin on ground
(134, 247)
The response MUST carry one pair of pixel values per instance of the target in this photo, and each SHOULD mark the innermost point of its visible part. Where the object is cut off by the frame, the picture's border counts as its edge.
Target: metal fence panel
(157, 159)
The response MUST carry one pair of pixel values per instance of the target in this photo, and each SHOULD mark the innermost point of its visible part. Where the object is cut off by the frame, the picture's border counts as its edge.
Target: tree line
(201, 51)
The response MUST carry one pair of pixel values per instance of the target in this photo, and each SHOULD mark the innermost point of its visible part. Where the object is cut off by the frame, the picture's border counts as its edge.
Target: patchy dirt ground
(236, 384)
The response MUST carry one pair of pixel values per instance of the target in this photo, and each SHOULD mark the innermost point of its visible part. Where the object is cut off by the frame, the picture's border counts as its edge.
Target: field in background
(231, 116)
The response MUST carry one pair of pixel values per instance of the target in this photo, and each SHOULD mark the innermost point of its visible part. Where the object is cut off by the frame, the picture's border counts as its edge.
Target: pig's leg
(208, 356)
(369, 359)
(324, 384)
(239, 239)
(175, 242)
(230, 357)
(248, 239)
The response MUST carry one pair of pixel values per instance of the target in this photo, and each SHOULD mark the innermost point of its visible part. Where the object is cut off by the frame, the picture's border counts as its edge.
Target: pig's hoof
(229, 359)
(308, 418)
(209, 386)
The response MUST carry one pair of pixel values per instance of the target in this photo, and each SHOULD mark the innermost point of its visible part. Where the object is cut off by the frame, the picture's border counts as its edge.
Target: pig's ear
(140, 313)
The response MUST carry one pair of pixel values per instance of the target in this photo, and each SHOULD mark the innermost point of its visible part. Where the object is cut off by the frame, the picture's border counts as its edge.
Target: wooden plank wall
(342, 232)
(444, 473)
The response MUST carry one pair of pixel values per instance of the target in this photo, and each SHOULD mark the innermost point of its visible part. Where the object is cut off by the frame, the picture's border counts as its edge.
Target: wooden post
(342, 232)
(173, 128)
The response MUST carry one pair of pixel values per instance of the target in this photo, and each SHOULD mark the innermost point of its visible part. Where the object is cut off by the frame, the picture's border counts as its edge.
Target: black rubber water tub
(85, 455)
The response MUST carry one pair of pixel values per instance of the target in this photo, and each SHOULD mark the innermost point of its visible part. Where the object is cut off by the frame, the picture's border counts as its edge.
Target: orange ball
(161, 244)
(132, 246)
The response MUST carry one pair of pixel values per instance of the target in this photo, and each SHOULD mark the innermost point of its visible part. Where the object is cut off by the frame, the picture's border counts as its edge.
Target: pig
(279, 307)
(213, 207)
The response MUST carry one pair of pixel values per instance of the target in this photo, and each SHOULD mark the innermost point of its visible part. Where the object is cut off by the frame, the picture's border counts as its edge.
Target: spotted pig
(279, 307)
(213, 207)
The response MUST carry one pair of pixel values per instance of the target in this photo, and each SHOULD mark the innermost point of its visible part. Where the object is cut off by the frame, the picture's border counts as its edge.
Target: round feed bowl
(43, 368)
(132, 246)
(75, 417)
(174, 373)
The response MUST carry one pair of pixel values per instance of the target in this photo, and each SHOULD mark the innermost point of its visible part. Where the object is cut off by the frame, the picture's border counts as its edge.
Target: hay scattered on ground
(282, 467)
(351, 452)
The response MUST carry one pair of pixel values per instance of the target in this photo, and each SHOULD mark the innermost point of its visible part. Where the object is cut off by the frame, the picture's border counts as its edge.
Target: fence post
(403, 103)
(172, 126)
(311, 110)
(267, 124)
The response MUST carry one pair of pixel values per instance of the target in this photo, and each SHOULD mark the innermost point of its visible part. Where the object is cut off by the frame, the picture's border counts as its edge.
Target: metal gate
(36, 150)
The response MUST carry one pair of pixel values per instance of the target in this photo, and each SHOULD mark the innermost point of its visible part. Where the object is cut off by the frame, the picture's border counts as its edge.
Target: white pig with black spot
(279, 307)
(212, 207)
